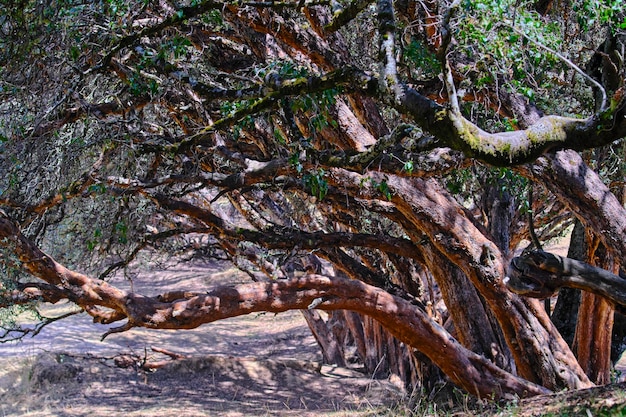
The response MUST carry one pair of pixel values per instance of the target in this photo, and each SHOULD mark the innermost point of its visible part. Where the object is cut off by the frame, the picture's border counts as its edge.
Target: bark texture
(179, 310)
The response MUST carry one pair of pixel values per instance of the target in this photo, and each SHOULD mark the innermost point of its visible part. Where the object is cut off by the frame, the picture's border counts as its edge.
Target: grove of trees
(377, 165)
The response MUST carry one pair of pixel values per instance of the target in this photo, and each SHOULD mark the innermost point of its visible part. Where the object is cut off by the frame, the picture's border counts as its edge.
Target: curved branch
(79, 288)
(410, 324)
(584, 192)
(540, 274)
(569, 63)
(512, 148)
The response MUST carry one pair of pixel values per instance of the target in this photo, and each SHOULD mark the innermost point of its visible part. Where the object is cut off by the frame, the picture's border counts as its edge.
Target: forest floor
(255, 365)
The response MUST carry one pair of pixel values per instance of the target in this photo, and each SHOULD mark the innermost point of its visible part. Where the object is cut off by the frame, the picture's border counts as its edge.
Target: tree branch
(575, 67)
(540, 274)
(583, 191)
(446, 38)
(344, 15)
(409, 323)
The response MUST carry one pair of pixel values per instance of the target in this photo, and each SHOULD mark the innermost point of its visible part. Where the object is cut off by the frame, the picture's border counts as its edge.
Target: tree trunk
(332, 349)
(467, 309)
(565, 312)
(592, 341)
(540, 353)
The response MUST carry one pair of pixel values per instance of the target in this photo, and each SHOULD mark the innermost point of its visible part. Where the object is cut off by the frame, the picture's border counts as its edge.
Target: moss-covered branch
(511, 148)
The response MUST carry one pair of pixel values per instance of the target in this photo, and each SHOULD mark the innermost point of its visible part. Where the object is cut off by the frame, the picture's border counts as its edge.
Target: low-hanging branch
(181, 310)
(540, 274)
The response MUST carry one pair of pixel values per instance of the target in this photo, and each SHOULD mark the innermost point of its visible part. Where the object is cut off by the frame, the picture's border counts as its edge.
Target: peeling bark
(527, 329)
(540, 274)
(409, 324)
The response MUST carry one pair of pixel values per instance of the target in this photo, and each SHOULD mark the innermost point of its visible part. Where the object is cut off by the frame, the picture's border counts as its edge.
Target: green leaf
(316, 183)
(383, 187)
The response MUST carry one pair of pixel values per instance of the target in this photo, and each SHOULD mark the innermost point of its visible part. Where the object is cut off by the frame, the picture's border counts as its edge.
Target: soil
(255, 365)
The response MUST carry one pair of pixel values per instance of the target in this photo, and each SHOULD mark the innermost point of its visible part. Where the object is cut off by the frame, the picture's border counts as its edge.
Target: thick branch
(540, 274)
(410, 324)
(429, 209)
(77, 287)
(584, 192)
(511, 148)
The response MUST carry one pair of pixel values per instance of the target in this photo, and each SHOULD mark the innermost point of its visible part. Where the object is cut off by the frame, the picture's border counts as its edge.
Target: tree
(366, 159)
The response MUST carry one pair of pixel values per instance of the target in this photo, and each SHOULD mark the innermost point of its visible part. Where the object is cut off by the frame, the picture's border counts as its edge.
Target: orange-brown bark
(407, 322)
(529, 332)
(592, 341)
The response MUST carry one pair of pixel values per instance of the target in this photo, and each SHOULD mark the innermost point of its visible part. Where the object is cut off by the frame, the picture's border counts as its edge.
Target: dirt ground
(255, 365)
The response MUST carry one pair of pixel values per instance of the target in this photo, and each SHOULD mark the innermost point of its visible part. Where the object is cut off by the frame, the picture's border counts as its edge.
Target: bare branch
(540, 274)
(342, 16)
(446, 38)
(18, 333)
(603, 104)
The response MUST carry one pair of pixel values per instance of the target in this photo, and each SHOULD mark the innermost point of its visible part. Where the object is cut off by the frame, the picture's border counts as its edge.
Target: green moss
(441, 115)
(506, 148)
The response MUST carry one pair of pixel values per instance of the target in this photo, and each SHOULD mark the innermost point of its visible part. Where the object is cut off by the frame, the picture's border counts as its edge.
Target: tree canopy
(377, 160)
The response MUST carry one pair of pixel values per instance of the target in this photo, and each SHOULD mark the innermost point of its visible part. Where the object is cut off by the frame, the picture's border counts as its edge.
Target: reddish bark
(332, 348)
(592, 340)
(541, 355)
(582, 190)
(409, 324)
(540, 274)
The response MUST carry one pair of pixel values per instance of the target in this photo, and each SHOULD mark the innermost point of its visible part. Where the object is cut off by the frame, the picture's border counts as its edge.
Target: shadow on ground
(70, 385)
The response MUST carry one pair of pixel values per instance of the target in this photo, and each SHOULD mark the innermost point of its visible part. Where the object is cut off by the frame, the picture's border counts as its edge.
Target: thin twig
(569, 63)
(448, 79)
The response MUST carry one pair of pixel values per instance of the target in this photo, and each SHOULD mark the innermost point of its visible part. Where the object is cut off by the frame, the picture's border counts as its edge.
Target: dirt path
(255, 365)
